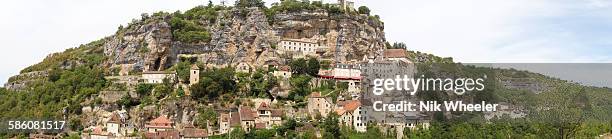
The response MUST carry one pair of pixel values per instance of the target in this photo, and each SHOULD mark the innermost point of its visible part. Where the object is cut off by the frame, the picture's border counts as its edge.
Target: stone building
(318, 104)
(156, 77)
(300, 46)
(194, 74)
(160, 123)
(352, 115)
(283, 71)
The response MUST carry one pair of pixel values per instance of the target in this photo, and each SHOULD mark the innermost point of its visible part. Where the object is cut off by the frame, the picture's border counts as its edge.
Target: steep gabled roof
(114, 119)
(263, 106)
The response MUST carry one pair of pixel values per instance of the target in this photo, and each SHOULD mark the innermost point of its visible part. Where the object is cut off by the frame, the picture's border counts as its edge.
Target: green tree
(144, 89)
(330, 127)
(237, 133)
(250, 3)
(313, 66)
(183, 70)
(299, 66)
(364, 10)
(205, 116)
(300, 85)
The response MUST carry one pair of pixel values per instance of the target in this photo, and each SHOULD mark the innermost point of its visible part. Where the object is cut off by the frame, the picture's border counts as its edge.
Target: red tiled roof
(260, 125)
(395, 53)
(348, 106)
(234, 119)
(160, 122)
(284, 68)
(194, 133)
(277, 113)
(170, 134)
(263, 106)
(114, 119)
(246, 114)
(98, 131)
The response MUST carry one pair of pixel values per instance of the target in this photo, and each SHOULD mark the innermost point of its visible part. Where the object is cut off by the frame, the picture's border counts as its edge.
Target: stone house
(190, 132)
(160, 123)
(268, 117)
(283, 72)
(352, 115)
(302, 46)
(243, 67)
(318, 104)
(156, 77)
(113, 125)
(194, 74)
(247, 119)
(99, 133)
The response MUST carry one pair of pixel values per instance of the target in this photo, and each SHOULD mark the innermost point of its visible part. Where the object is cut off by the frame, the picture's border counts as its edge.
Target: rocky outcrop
(361, 36)
(147, 46)
(245, 37)
(21, 81)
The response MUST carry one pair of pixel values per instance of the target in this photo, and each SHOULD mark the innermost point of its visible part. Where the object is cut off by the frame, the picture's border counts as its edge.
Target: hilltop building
(299, 46)
(156, 77)
(194, 74)
(346, 4)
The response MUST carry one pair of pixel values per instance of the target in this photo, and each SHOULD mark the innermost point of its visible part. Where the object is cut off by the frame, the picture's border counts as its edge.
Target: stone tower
(194, 74)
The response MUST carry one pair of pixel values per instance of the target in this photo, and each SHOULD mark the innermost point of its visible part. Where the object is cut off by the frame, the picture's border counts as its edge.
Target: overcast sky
(515, 31)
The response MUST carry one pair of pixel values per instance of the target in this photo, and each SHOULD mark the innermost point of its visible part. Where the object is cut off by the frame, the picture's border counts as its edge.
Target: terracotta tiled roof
(246, 114)
(395, 53)
(263, 106)
(277, 113)
(98, 131)
(194, 133)
(348, 106)
(284, 68)
(170, 134)
(160, 122)
(352, 105)
(260, 125)
(234, 119)
(114, 119)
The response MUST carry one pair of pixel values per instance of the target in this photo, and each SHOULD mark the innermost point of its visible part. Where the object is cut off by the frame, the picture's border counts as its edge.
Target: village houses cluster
(354, 111)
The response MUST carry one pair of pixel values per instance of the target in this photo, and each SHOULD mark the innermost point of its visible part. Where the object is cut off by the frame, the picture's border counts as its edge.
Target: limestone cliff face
(362, 36)
(146, 46)
(244, 37)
